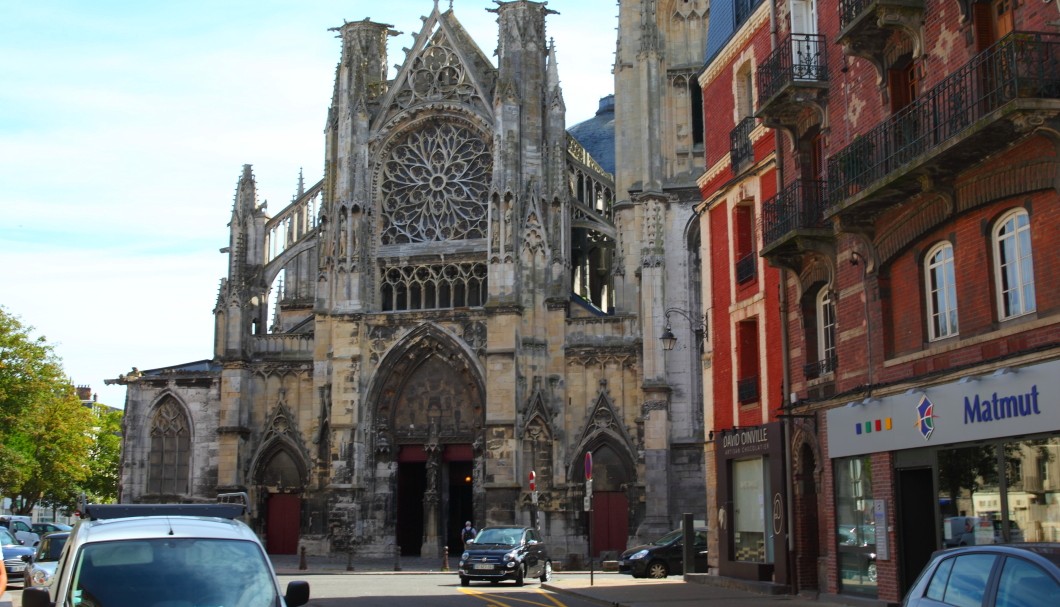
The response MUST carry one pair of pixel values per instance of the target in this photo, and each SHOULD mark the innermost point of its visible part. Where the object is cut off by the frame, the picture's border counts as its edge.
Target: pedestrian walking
(467, 533)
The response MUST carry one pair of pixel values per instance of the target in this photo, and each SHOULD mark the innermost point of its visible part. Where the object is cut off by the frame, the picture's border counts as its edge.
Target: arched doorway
(282, 479)
(806, 505)
(610, 517)
(430, 402)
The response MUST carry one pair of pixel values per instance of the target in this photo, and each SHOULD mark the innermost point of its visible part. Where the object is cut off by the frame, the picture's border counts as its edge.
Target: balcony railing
(747, 389)
(816, 369)
(798, 58)
(799, 206)
(740, 148)
(850, 9)
(747, 267)
(1021, 65)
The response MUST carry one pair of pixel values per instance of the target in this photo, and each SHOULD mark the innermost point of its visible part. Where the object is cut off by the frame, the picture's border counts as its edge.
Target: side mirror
(297, 595)
(27, 558)
(36, 596)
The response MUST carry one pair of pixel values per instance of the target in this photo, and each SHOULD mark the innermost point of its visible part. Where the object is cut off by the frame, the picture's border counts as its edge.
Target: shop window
(1014, 265)
(855, 525)
(750, 483)
(941, 292)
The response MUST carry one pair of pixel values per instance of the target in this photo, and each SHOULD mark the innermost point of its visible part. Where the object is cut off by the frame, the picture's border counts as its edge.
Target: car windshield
(669, 538)
(51, 547)
(6, 539)
(167, 571)
(504, 537)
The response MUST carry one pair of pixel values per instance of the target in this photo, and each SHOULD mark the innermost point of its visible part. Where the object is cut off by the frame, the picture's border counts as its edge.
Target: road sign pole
(589, 506)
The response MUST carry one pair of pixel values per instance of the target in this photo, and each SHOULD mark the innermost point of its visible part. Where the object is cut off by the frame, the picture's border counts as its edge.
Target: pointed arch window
(170, 456)
(1014, 265)
(941, 292)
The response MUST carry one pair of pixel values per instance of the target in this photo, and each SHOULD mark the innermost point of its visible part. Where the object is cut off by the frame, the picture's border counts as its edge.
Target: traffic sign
(588, 466)
(533, 481)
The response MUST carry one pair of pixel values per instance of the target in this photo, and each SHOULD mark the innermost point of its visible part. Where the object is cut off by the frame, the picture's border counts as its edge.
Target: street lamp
(699, 328)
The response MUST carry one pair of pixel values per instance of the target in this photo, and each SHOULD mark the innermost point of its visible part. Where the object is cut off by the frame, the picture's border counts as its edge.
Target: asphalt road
(404, 590)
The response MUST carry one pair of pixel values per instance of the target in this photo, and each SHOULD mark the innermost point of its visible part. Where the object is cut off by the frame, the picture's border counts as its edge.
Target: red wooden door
(281, 526)
(610, 521)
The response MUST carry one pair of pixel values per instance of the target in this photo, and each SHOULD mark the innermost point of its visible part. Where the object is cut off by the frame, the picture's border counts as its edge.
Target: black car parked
(505, 553)
(664, 556)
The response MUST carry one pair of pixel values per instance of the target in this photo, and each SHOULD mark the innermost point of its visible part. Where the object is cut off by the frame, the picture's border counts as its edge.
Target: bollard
(349, 559)
(302, 566)
(445, 558)
(397, 558)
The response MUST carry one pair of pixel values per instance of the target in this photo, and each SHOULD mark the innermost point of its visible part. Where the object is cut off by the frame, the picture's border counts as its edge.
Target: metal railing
(798, 206)
(818, 368)
(849, 10)
(1021, 65)
(740, 148)
(747, 267)
(747, 389)
(799, 57)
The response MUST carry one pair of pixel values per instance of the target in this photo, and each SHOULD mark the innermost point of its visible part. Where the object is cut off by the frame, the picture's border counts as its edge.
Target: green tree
(45, 432)
(101, 486)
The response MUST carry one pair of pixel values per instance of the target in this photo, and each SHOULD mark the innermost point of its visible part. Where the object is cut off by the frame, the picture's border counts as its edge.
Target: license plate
(486, 566)
(15, 568)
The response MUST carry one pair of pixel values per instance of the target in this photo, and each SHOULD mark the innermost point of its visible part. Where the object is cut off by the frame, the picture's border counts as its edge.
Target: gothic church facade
(462, 299)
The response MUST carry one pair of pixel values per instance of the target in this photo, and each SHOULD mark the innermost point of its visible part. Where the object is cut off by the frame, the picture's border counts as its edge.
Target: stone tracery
(435, 186)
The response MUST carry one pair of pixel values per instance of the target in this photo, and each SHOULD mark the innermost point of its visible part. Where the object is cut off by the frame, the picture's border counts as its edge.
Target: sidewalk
(605, 588)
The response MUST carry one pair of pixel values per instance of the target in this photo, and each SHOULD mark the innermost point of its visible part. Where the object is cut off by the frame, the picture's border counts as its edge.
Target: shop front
(972, 461)
(752, 517)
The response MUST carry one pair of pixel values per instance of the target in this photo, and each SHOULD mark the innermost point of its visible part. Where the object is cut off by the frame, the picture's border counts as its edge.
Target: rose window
(435, 186)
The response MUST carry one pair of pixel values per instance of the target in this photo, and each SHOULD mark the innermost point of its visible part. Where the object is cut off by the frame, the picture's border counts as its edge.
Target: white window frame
(1014, 269)
(825, 325)
(940, 290)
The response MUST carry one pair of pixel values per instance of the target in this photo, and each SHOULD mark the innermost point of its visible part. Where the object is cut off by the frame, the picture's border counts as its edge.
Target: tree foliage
(47, 437)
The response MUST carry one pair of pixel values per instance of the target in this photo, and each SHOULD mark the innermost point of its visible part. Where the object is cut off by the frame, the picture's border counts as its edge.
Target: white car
(164, 554)
(21, 527)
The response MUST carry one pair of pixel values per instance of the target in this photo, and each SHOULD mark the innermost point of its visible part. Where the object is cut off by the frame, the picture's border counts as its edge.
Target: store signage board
(1008, 402)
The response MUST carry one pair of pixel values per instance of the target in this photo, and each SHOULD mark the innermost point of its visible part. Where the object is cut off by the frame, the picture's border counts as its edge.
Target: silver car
(1013, 575)
(41, 566)
(164, 554)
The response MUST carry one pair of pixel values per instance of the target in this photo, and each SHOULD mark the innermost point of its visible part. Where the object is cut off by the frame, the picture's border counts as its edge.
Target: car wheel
(657, 570)
(464, 581)
(519, 573)
(546, 573)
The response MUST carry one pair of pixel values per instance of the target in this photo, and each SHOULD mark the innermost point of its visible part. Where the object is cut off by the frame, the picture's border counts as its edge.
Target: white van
(21, 527)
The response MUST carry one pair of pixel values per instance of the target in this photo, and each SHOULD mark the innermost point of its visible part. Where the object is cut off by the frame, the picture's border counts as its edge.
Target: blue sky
(125, 125)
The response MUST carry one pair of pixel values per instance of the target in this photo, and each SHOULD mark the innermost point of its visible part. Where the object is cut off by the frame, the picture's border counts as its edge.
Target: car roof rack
(228, 506)
(96, 512)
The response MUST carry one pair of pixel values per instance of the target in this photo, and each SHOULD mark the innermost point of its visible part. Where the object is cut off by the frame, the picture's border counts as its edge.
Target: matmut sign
(1008, 402)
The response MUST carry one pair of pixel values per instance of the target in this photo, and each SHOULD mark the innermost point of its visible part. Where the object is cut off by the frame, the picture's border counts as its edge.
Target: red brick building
(913, 227)
(746, 464)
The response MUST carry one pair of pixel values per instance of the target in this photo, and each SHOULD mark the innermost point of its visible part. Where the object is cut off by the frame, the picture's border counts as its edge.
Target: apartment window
(941, 292)
(747, 361)
(1013, 265)
(825, 329)
(743, 244)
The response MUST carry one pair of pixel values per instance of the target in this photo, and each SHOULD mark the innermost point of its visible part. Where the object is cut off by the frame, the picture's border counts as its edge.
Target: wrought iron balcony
(747, 389)
(740, 149)
(794, 76)
(866, 25)
(978, 110)
(797, 212)
(747, 268)
(816, 369)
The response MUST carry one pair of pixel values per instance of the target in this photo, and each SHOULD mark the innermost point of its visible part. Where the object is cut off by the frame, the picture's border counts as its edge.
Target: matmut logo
(925, 422)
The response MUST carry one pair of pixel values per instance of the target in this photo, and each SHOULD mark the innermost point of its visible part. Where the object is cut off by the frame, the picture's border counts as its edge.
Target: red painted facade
(917, 129)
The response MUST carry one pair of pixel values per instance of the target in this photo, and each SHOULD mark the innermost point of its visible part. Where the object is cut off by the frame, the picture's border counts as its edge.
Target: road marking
(495, 600)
